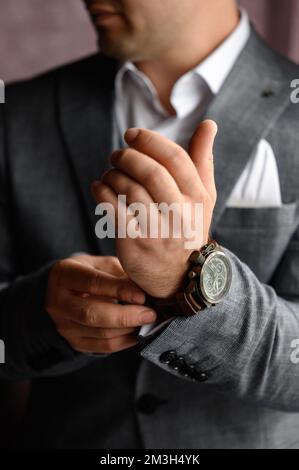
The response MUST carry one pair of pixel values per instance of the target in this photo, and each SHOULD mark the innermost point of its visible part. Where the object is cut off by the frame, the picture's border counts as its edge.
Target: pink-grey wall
(38, 34)
(278, 21)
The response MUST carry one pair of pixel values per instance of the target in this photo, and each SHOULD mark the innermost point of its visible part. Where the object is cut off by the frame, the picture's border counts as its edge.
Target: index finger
(85, 279)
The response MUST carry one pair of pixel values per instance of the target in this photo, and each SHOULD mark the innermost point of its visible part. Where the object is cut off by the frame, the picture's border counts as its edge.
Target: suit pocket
(267, 217)
(258, 236)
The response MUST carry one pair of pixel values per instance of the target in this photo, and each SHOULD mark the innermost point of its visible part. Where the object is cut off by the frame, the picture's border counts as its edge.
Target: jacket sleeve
(32, 346)
(244, 346)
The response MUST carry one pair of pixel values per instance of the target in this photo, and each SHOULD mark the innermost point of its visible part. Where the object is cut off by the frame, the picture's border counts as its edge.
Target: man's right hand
(82, 300)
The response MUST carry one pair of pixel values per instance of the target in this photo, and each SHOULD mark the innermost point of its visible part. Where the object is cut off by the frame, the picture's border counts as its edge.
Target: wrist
(206, 283)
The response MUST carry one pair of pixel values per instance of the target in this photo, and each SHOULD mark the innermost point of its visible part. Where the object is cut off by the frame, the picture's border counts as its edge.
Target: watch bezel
(202, 292)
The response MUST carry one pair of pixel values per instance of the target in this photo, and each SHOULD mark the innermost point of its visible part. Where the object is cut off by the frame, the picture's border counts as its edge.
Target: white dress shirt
(137, 105)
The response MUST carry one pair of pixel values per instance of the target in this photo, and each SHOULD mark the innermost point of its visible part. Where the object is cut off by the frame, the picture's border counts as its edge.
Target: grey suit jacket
(239, 387)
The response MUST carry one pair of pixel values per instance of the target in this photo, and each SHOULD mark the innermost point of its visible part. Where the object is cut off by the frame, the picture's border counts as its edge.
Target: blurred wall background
(36, 35)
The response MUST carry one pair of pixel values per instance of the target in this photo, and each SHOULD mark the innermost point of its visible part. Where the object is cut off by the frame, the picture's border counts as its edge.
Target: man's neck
(189, 50)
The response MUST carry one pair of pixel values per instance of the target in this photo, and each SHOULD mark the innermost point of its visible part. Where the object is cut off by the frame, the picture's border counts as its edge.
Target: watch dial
(215, 277)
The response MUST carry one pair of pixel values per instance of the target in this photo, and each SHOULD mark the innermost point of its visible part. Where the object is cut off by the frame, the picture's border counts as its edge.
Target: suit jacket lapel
(246, 107)
(86, 94)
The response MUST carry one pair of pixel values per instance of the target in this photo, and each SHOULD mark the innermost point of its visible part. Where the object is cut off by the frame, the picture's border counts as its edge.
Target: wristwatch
(206, 284)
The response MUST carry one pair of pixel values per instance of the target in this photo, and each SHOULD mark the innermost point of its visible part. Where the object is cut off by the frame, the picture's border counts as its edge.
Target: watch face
(215, 278)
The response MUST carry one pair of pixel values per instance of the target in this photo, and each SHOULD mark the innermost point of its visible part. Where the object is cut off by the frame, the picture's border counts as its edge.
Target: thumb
(201, 153)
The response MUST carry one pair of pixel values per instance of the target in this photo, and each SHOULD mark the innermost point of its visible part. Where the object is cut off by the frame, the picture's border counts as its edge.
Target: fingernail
(131, 134)
(148, 316)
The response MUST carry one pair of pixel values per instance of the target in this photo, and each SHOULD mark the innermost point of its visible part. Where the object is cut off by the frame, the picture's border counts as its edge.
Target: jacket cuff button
(167, 357)
(198, 376)
(202, 376)
(178, 363)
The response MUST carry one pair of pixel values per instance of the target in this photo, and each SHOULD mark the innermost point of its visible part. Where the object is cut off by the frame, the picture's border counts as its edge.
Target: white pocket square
(259, 185)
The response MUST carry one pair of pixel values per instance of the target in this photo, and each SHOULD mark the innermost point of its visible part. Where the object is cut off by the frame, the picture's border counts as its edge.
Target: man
(207, 376)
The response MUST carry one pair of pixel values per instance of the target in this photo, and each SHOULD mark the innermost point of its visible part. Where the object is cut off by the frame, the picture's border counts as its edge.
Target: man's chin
(112, 49)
